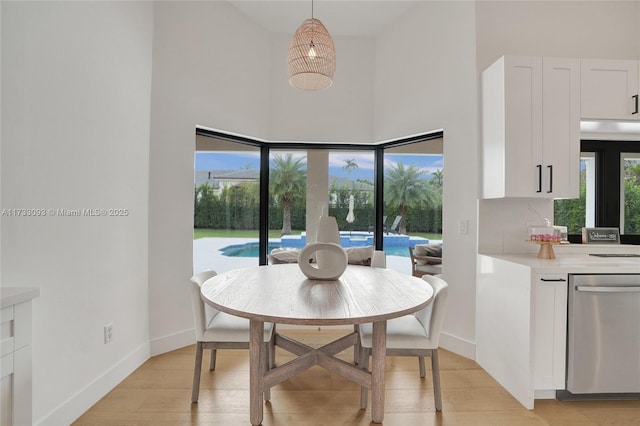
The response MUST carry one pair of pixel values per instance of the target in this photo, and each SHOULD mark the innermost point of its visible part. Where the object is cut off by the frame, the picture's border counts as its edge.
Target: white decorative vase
(327, 233)
(333, 265)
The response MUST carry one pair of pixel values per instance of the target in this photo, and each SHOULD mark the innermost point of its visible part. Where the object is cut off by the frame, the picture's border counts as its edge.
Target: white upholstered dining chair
(412, 335)
(219, 330)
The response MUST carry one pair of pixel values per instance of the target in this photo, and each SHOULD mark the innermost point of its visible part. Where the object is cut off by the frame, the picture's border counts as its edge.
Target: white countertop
(576, 262)
(575, 258)
(10, 296)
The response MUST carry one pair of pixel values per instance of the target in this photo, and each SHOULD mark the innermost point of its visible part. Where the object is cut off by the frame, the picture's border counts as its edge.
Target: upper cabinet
(531, 128)
(610, 89)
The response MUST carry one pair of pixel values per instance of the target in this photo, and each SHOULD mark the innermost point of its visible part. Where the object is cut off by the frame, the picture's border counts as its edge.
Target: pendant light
(312, 56)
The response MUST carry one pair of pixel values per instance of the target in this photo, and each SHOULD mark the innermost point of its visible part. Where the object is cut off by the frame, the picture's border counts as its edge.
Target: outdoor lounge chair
(426, 259)
(384, 225)
(394, 225)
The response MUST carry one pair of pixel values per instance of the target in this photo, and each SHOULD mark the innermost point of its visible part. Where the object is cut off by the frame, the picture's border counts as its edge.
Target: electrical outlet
(108, 333)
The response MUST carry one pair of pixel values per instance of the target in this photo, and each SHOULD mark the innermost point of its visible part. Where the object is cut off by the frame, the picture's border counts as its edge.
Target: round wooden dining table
(282, 294)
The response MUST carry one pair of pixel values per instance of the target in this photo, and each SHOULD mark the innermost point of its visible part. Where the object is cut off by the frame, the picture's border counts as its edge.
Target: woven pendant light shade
(312, 57)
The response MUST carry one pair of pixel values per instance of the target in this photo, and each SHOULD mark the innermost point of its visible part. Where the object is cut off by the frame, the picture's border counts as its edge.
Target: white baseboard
(67, 412)
(172, 342)
(458, 346)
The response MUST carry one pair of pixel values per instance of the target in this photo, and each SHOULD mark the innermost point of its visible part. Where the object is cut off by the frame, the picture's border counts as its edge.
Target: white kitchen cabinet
(531, 128)
(550, 331)
(504, 328)
(610, 89)
(521, 325)
(15, 364)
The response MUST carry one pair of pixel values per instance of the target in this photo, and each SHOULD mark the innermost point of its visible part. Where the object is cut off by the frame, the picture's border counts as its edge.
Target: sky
(364, 160)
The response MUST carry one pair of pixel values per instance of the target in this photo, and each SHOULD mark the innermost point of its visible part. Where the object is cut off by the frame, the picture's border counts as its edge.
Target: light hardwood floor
(159, 393)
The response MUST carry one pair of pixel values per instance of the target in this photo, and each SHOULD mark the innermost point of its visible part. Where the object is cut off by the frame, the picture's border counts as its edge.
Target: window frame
(607, 183)
(266, 147)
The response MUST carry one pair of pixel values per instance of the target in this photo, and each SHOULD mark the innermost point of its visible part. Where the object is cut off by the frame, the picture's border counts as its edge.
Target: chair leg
(212, 360)
(364, 364)
(435, 371)
(195, 390)
(356, 347)
(421, 365)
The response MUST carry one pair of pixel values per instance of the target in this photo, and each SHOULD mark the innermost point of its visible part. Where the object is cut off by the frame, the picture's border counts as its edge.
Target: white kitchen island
(521, 314)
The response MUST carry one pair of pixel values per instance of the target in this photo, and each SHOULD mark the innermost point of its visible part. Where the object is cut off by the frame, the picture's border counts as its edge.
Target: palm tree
(350, 165)
(437, 178)
(405, 188)
(287, 181)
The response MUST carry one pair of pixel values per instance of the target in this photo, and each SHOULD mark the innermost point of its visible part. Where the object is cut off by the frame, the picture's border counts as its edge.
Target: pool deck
(207, 255)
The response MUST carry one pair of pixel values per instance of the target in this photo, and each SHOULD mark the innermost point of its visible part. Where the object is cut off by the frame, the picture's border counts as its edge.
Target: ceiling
(345, 18)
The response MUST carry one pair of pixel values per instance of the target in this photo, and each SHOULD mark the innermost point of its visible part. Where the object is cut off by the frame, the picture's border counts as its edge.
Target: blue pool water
(245, 250)
(394, 245)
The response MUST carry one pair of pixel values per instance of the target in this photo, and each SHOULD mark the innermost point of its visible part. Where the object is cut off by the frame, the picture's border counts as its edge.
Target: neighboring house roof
(343, 181)
(213, 178)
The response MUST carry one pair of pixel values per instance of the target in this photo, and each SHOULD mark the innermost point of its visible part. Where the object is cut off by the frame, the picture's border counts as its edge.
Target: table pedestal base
(323, 357)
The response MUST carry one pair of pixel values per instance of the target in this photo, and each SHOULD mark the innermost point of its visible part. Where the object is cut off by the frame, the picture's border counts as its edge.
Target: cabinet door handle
(635, 98)
(539, 166)
(552, 280)
(550, 167)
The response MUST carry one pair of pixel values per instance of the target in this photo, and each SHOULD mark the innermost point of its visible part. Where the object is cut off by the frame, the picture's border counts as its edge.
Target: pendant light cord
(312, 23)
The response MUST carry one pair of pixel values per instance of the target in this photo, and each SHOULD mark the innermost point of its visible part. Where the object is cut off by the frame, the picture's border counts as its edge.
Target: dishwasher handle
(607, 289)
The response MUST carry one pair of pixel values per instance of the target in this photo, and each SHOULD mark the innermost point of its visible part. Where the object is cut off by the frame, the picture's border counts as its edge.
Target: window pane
(630, 194)
(578, 213)
(413, 179)
(351, 184)
(226, 205)
(288, 198)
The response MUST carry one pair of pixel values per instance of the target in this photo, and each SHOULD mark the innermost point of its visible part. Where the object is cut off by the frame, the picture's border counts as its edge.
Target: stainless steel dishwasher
(603, 351)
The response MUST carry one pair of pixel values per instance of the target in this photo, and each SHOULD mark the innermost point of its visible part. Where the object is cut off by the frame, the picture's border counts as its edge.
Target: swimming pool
(246, 249)
(394, 245)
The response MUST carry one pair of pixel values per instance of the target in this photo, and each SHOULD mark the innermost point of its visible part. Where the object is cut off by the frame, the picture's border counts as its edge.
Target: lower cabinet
(521, 323)
(550, 331)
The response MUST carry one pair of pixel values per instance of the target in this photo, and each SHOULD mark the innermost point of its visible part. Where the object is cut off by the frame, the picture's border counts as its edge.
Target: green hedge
(237, 208)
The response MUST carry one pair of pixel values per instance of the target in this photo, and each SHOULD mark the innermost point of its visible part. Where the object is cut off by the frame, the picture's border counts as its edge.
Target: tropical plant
(405, 188)
(350, 165)
(287, 181)
(437, 178)
(632, 197)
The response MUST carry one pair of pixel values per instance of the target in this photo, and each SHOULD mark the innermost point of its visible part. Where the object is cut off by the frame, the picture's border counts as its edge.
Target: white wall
(210, 67)
(575, 29)
(76, 81)
(426, 80)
